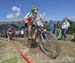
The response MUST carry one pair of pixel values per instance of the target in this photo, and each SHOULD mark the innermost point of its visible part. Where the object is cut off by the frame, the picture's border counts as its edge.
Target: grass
(2, 44)
(67, 50)
(14, 60)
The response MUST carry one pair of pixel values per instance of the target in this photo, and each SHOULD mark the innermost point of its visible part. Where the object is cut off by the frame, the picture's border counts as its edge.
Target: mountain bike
(47, 42)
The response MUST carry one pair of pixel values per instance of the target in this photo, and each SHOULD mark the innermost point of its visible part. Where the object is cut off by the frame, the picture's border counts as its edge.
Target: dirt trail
(67, 54)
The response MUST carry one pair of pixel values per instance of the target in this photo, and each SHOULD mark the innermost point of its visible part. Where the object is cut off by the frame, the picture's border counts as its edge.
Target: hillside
(4, 25)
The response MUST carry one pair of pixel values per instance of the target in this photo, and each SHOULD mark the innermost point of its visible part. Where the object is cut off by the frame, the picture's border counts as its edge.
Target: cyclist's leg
(29, 30)
(34, 43)
(26, 26)
(35, 32)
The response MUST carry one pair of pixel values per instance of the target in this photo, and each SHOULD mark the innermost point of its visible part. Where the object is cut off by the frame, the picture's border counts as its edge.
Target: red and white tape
(22, 54)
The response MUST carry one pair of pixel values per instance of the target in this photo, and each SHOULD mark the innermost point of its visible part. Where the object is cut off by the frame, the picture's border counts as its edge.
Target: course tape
(22, 54)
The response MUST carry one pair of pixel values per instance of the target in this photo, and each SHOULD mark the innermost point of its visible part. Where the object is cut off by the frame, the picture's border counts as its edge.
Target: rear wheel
(49, 45)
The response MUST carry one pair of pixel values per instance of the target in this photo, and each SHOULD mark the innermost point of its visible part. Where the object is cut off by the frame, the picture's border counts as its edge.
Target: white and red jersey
(30, 17)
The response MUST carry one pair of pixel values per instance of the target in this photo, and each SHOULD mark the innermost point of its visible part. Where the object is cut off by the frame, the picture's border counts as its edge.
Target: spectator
(65, 26)
(52, 26)
(22, 33)
(58, 33)
(73, 37)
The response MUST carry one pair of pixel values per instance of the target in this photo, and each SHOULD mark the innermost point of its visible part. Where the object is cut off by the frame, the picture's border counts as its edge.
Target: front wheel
(49, 44)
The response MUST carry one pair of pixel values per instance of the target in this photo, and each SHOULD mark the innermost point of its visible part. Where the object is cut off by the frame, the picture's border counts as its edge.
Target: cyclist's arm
(26, 18)
(40, 21)
(41, 18)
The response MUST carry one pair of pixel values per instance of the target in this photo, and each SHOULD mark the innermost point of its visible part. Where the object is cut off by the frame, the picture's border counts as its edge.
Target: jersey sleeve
(26, 17)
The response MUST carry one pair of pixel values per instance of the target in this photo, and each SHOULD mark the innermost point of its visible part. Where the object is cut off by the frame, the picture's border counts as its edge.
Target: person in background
(22, 32)
(10, 31)
(52, 26)
(58, 33)
(73, 37)
(65, 26)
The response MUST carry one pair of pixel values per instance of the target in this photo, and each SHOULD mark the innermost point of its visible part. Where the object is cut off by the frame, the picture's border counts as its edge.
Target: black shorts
(31, 23)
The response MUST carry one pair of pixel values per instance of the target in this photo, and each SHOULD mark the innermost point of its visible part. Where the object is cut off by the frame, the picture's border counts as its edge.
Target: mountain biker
(31, 19)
